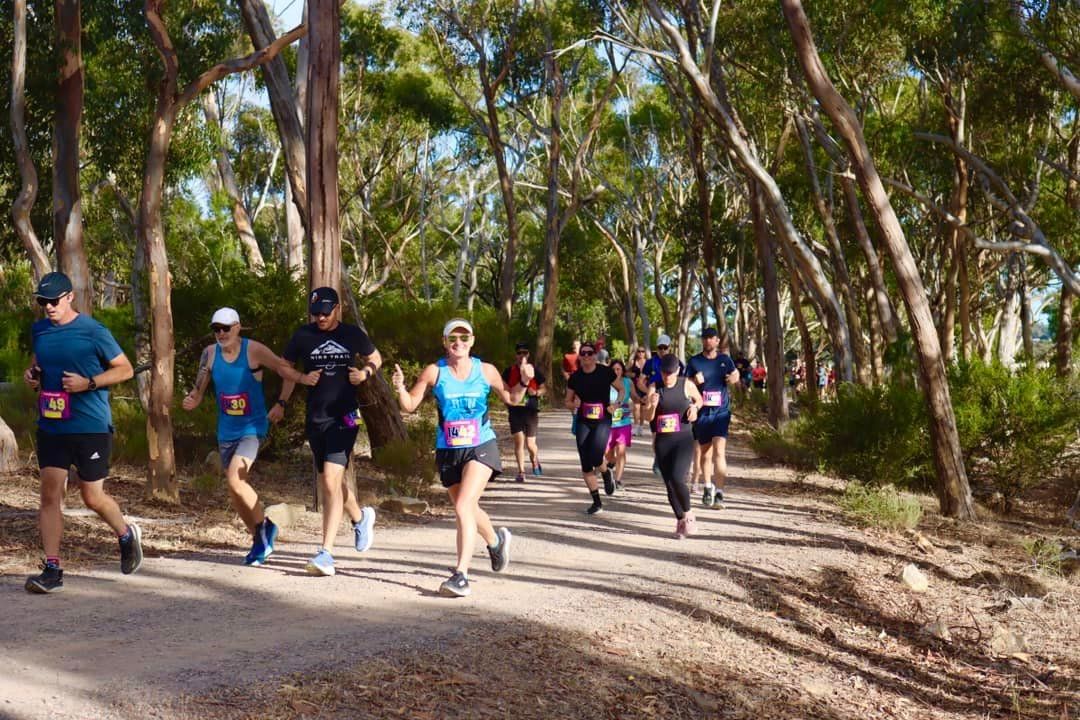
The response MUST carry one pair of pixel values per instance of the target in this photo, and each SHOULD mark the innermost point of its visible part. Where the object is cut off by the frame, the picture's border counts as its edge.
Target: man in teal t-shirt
(75, 359)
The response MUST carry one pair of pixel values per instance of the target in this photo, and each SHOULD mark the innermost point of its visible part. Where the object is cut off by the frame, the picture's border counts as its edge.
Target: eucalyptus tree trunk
(954, 494)
(552, 225)
(774, 338)
(955, 240)
(20, 210)
(1064, 340)
(67, 127)
(639, 286)
(9, 449)
(324, 222)
(244, 229)
(841, 276)
(658, 287)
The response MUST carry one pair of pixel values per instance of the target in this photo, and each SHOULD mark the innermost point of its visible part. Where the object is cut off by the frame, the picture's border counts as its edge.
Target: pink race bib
(461, 433)
(235, 404)
(54, 405)
(713, 398)
(351, 420)
(592, 411)
(670, 423)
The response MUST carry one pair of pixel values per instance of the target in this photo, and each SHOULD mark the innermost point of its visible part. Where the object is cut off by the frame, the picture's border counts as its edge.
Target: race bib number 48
(461, 433)
(235, 404)
(54, 405)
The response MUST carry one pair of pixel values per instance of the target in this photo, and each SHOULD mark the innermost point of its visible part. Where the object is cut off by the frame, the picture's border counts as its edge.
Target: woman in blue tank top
(466, 452)
(235, 365)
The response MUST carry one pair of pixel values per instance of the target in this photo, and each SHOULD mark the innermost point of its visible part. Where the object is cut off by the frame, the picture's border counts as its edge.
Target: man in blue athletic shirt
(235, 364)
(714, 373)
(75, 359)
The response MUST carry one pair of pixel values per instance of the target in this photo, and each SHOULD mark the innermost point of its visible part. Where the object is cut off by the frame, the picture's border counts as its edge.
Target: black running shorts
(524, 420)
(451, 462)
(88, 452)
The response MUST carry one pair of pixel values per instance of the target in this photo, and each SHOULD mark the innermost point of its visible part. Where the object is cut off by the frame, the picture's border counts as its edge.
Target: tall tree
(323, 88)
(67, 127)
(954, 495)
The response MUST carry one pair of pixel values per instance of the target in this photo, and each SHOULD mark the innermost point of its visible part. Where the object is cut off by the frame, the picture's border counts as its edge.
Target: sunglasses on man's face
(586, 353)
(522, 352)
(661, 347)
(459, 337)
(46, 302)
(221, 328)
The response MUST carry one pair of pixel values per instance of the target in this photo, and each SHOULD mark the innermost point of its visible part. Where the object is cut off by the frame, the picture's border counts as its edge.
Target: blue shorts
(711, 425)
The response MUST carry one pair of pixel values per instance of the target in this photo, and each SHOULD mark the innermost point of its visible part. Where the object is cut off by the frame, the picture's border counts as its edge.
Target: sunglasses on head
(459, 337)
(46, 302)
(220, 328)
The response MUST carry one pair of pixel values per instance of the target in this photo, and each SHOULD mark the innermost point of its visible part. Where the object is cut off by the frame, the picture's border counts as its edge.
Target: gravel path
(116, 647)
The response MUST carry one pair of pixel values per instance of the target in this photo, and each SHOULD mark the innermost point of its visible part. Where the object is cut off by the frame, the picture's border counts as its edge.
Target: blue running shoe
(364, 529)
(263, 544)
(537, 470)
(321, 564)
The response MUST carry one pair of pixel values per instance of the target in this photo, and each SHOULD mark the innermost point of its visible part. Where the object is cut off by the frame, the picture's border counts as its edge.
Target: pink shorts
(620, 436)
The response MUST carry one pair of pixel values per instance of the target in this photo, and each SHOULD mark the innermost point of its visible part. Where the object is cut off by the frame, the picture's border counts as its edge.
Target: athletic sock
(595, 496)
(709, 485)
(52, 561)
(126, 537)
(498, 542)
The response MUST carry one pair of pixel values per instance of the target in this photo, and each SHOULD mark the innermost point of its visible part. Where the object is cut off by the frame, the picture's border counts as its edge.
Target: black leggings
(591, 444)
(674, 455)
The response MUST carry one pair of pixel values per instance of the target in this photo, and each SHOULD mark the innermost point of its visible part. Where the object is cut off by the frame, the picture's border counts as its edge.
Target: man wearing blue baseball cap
(75, 360)
(333, 414)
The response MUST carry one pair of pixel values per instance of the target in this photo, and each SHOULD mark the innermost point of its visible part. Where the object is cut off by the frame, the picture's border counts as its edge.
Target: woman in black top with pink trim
(672, 407)
(588, 394)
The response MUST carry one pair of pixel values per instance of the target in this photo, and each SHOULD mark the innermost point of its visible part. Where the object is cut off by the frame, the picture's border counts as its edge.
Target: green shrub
(781, 447)
(874, 434)
(884, 506)
(1044, 555)
(1016, 428)
(411, 459)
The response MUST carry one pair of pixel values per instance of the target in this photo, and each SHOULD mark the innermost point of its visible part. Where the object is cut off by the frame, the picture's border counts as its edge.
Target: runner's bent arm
(202, 379)
(696, 400)
(494, 379)
(278, 411)
(32, 375)
(367, 371)
(265, 357)
(409, 400)
(119, 370)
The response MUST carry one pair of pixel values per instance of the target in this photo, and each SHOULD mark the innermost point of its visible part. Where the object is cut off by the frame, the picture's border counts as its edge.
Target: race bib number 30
(592, 411)
(461, 433)
(54, 405)
(235, 404)
(713, 398)
(668, 423)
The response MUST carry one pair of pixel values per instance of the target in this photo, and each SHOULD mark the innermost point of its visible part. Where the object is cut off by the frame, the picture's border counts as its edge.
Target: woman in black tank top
(671, 409)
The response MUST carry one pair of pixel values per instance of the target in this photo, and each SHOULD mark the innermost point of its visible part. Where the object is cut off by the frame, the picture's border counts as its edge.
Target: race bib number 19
(54, 405)
(592, 411)
(669, 423)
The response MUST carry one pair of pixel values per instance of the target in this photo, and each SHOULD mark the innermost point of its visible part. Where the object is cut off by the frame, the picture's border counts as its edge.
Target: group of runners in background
(75, 359)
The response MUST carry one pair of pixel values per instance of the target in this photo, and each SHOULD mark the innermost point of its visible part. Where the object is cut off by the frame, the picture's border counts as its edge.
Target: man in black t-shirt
(329, 345)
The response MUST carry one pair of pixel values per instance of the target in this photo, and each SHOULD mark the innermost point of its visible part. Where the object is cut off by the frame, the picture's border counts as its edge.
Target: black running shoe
(131, 550)
(594, 508)
(50, 580)
(456, 586)
(500, 556)
(609, 482)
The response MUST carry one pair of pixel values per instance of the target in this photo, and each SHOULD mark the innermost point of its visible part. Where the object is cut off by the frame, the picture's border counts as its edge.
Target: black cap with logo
(323, 300)
(53, 285)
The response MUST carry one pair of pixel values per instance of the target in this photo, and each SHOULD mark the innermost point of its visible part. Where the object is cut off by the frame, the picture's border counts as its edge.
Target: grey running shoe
(456, 586)
(50, 580)
(364, 529)
(131, 550)
(708, 497)
(500, 556)
(718, 501)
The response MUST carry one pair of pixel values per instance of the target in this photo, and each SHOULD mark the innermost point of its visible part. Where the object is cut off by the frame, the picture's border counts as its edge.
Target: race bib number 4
(54, 405)
(669, 423)
(592, 411)
(461, 433)
(235, 404)
(713, 398)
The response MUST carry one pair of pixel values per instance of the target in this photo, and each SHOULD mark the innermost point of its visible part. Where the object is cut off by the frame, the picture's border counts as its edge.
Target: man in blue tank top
(75, 360)
(714, 373)
(235, 365)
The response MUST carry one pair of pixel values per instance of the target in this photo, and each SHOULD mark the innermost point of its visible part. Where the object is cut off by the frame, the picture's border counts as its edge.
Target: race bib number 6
(235, 404)
(54, 405)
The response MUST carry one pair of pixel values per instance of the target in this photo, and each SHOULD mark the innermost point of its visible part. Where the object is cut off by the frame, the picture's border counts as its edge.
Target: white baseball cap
(225, 316)
(663, 340)
(455, 324)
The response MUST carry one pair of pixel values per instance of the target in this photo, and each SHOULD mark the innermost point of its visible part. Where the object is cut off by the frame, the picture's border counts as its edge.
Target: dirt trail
(765, 611)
